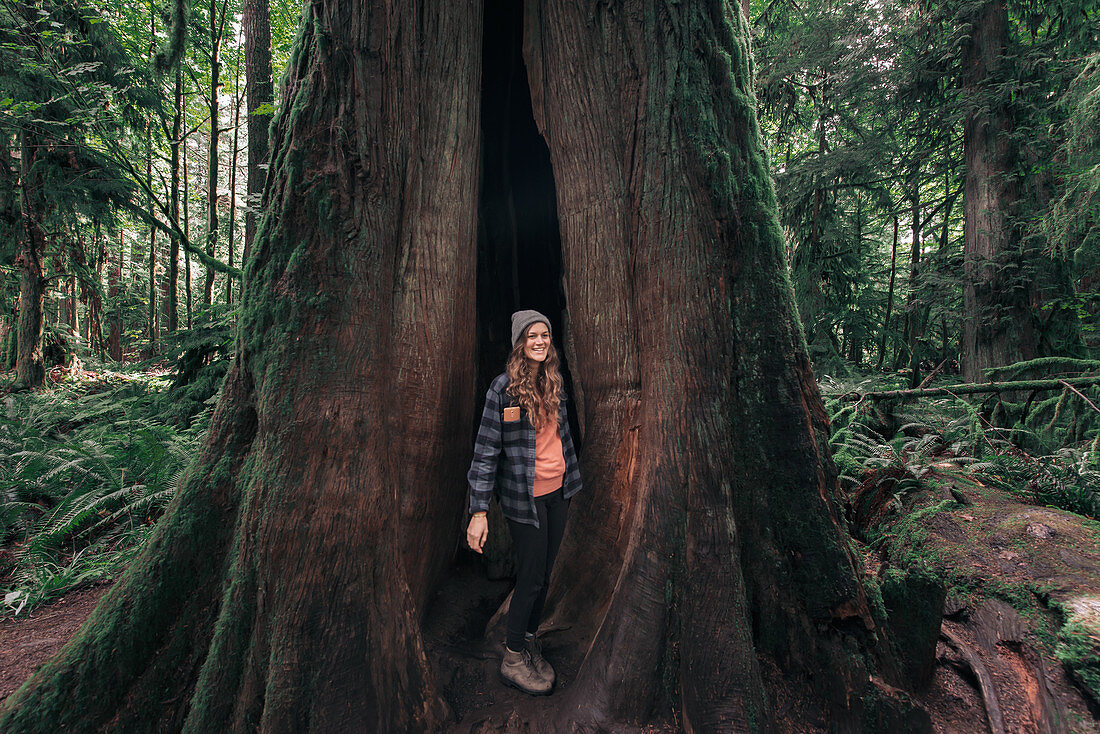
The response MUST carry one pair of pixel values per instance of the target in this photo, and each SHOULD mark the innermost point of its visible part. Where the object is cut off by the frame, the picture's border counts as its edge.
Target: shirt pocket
(513, 435)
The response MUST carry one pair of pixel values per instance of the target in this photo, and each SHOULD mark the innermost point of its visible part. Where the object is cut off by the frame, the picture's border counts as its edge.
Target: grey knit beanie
(522, 319)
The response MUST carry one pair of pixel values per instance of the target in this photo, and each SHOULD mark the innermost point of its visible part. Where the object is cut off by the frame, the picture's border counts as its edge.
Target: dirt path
(26, 643)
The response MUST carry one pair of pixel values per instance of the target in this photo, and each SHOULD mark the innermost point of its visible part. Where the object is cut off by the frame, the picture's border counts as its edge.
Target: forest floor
(1023, 588)
(1018, 576)
(27, 642)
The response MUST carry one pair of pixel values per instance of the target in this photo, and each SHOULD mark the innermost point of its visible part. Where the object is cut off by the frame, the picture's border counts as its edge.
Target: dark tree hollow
(519, 245)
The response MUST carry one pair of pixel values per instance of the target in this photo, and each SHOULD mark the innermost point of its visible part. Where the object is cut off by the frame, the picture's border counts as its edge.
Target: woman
(525, 456)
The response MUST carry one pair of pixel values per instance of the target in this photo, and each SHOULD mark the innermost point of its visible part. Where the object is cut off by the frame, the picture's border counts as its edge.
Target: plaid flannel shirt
(504, 458)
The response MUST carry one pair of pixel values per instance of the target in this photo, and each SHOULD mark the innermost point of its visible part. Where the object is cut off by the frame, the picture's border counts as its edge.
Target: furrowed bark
(256, 24)
(998, 328)
(282, 592)
(719, 531)
(589, 151)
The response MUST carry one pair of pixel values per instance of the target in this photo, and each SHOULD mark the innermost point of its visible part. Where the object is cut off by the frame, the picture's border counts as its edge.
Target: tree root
(985, 680)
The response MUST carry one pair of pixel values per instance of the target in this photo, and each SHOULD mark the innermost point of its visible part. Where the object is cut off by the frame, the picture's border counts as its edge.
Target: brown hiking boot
(541, 665)
(518, 671)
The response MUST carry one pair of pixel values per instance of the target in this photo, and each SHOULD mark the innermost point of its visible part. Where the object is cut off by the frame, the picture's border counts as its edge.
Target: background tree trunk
(153, 334)
(92, 296)
(172, 274)
(997, 326)
(256, 22)
(216, 29)
(114, 278)
(889, 295)
(186, 219)
(10, 231)
(912, 309)
(233, 180)
(30, 368)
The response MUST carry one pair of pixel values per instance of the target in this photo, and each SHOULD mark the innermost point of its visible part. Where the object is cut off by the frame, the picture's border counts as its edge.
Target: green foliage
(884, 452)
(1068, 479)
(86, 471)
(70, 87)
(1072, 225)
(201, 357)
(863, 106)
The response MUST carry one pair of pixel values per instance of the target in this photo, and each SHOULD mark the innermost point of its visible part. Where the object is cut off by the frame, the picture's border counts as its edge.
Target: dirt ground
(27, 642)
(1016, 573)
(995, 669)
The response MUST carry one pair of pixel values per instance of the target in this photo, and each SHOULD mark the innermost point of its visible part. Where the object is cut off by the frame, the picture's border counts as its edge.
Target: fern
(83, 476)
(879, 448)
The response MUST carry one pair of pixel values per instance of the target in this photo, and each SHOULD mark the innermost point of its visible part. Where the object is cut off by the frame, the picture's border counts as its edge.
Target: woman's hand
(477, 532)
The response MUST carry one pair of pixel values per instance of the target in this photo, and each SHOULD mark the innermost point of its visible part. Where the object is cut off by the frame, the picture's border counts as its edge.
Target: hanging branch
(1080, 395)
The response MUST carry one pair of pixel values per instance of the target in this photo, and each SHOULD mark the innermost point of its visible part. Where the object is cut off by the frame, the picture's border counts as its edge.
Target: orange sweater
(549, 460)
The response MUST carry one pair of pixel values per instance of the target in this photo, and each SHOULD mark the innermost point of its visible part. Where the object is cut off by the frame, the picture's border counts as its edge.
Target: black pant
(536, 549)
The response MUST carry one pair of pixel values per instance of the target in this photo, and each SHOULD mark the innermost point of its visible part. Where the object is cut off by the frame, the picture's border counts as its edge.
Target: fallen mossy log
(973, 389)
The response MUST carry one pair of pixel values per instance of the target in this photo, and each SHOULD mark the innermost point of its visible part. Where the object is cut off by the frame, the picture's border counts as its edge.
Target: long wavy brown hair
(537, 389)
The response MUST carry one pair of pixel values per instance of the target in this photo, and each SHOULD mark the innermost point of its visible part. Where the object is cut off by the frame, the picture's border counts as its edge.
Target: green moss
(914, 603)
(892, 713)
(873, 589)
(1079, 650)
(904, 540)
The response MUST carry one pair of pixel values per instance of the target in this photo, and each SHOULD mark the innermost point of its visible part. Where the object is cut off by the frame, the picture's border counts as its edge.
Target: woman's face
(536, 342)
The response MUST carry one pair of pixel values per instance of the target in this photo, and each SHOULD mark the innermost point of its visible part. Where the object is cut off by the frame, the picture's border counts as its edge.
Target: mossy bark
(281, 591)
(998, 327)
(706, 549)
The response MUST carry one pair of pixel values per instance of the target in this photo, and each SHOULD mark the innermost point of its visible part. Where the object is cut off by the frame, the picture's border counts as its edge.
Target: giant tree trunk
(997, 324)
(256, 23)
(276, 593)
(705, 559)
(706, 548)
(30, 366)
